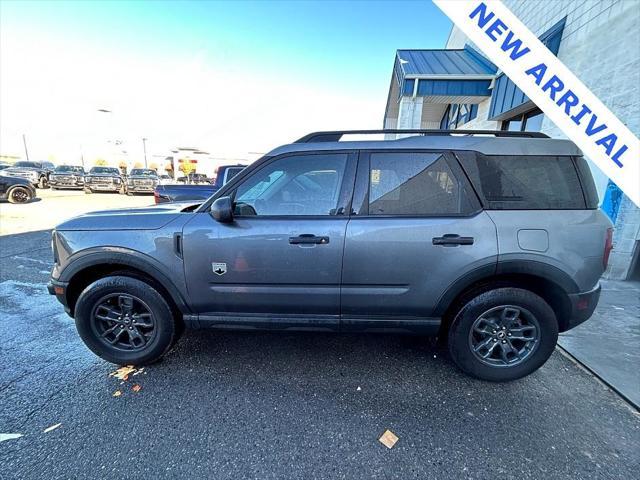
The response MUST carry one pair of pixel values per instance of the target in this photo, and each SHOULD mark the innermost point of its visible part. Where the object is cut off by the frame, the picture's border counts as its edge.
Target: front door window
(299, 185)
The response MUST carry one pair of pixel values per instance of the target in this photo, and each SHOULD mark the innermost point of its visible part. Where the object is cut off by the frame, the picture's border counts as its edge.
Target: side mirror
(222, 210)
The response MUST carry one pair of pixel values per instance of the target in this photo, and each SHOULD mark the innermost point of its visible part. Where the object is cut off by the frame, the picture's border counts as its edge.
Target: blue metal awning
(448, 75)
(507, 99)
(444, 63)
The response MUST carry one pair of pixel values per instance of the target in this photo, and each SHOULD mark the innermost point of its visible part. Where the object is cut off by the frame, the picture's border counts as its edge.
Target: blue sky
(340, 52)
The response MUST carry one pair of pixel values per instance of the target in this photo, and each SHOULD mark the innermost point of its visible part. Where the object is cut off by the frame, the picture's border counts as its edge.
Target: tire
(106, 293)
(43, 182)
(527, 341)
(19, 195)
(53, 188)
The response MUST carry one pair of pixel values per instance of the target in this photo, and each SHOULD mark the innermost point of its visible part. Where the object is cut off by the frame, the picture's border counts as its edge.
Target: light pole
(24, 141)
(144, 148)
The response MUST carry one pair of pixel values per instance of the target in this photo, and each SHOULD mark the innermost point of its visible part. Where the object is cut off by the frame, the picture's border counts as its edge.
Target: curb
(584, 366)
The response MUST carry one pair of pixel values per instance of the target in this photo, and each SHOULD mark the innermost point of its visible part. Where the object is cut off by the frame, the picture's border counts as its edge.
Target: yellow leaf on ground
(136, 388)
(52, 427)
(123, 372)
(388, 439)
(117, 393)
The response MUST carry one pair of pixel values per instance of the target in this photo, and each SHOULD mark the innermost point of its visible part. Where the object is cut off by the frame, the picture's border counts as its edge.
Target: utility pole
(24, 141)
(144, 147)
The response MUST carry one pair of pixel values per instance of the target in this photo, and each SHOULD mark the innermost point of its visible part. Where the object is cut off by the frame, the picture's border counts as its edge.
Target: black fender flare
(505, 267)
(121, 256)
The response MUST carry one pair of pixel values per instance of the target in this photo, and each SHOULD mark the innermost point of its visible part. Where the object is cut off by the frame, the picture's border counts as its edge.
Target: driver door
(280, 259)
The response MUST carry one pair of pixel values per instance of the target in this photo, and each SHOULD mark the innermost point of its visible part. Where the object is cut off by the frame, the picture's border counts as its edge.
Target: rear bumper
(583, 305)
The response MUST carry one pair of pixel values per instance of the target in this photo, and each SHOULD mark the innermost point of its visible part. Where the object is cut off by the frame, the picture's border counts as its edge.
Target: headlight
(117, 180)
(33, 174)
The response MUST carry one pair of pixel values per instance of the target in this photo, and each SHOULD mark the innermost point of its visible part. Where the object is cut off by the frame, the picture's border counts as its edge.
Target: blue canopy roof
(464, 61)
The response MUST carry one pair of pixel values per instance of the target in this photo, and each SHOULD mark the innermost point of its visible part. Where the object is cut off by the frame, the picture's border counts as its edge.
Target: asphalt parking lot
(264, 405)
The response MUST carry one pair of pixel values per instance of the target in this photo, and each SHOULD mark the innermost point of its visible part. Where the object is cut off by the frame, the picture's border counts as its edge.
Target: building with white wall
(457, 88)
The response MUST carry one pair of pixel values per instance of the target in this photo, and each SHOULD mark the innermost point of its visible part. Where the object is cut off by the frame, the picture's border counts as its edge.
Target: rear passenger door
(416, 227)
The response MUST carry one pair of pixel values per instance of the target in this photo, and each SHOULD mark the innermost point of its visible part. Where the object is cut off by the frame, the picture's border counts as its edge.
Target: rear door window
(531, 182)
(415, 183)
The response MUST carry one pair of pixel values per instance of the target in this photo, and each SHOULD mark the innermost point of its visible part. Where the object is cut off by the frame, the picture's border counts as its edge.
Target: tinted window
(588, 185)
(525, 182)
(232, 172)
(28, 164)
(69, 169)
(296, 185)
(414, 184)
(113, 171)
(143, 171)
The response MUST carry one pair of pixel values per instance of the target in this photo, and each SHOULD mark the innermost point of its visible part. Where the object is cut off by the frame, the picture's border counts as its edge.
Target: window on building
(530, 121)
(457, 115)
(414, 184)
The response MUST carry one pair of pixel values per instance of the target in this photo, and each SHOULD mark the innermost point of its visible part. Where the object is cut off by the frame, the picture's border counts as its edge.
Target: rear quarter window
(531, 182)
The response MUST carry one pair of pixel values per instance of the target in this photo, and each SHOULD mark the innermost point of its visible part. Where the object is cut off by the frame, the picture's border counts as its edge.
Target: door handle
(308, 239)
(452, 240)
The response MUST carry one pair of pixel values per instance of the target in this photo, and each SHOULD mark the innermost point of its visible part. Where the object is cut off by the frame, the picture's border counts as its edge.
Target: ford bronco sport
(492, 240)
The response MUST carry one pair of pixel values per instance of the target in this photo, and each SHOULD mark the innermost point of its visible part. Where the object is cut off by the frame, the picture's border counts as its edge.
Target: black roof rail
(337, 135)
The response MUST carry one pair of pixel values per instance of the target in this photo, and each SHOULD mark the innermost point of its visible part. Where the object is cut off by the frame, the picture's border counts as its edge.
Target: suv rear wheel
(125, 321)
(503, 334)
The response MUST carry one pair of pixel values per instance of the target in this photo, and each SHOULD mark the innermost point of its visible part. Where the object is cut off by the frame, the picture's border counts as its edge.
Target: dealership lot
(265, 405)
(54, 206)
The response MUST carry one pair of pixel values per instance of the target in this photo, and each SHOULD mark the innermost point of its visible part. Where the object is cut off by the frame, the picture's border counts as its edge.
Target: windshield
(28, 164)
(113, 171)
(69, 169)
(143, 171)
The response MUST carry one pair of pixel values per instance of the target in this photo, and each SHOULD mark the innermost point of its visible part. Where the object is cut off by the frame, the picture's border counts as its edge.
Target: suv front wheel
(503, 334)
(125, 321)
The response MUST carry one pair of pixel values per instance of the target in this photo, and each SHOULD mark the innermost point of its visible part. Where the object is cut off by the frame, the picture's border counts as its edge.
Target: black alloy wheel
(19, 195)
(504, 336)
(123, 321)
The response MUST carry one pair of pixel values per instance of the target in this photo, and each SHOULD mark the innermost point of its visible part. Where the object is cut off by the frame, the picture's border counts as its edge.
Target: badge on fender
(219, 268)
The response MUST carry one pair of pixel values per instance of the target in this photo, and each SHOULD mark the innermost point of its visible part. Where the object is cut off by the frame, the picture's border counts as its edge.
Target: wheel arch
(547, 281)
(90, 267)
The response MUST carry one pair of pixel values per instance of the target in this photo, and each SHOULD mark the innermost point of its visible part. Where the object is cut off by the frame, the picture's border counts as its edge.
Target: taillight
(156, 197)
(608, 246)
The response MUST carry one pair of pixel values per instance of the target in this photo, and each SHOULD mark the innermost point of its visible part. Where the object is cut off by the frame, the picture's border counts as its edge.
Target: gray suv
(492, 240)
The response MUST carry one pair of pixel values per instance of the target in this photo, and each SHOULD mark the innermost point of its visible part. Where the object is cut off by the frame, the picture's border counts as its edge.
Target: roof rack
(337, 135)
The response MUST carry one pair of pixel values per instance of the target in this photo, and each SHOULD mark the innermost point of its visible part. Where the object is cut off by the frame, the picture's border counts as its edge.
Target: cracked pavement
(269, 405)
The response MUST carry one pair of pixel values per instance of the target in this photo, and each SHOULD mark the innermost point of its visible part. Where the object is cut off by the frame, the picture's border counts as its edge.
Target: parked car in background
(181, 193)
(4, 165)
(37, 173)
(164, 180)
(67, 176)
(104, 179)
(141, 180)
(16, 189)
(490, 239)
(195, 179)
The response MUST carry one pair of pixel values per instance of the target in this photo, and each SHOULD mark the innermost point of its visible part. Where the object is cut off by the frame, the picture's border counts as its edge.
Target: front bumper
(59, 289)
(66, 184)
(141, 188)
(583, 305)
(103, 187)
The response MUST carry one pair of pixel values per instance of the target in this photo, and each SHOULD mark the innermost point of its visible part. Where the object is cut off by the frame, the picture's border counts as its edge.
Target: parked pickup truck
(181, 193)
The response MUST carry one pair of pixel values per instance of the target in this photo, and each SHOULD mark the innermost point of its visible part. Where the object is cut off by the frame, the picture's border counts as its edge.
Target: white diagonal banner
(508, 43)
